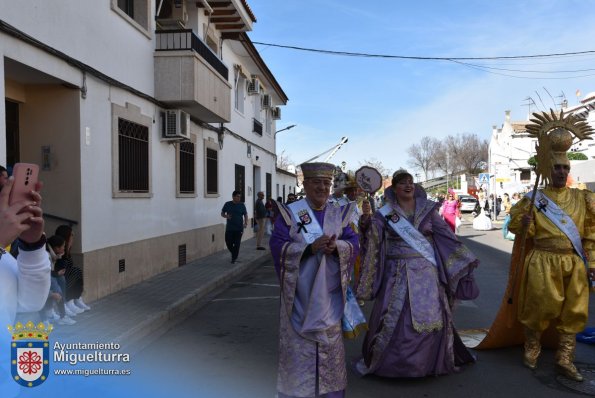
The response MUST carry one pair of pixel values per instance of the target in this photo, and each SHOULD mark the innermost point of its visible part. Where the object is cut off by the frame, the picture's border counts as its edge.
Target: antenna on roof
(563, 101)
(529, 104)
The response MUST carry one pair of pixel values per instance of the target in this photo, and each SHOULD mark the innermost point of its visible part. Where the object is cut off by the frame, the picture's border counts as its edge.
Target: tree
(577, 156)
(377, 164)
(423, 156)
(284, 161)
(463, 153)
(571, 156)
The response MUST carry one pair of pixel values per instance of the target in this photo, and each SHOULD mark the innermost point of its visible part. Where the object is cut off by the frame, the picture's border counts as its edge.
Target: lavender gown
(411, 331)
(311, 351)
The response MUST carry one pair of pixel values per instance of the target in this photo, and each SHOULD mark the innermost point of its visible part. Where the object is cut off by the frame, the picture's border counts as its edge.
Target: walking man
(237, 219)
(260, 215)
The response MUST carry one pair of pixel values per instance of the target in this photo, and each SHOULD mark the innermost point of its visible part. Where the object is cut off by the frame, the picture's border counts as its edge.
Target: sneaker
(70, 305)
(81, 304)
(66, 321)
(260, 248)
(68, 311)
(54, 316)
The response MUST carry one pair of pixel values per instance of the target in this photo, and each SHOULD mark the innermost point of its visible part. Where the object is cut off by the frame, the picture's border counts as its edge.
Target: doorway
(12, 134)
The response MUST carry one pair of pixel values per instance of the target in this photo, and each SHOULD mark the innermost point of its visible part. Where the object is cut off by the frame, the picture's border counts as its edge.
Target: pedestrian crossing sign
(484, 178)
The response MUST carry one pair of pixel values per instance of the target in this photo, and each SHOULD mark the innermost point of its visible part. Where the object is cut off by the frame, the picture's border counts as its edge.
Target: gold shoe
(532, 348)
(565, 356)
(570, 372)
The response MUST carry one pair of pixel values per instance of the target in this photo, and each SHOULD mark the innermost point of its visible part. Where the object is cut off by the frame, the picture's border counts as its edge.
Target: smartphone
(25, 178)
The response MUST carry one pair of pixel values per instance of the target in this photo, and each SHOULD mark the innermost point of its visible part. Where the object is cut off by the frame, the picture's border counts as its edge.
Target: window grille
(133, 156)
(187, 166)
(212, 172)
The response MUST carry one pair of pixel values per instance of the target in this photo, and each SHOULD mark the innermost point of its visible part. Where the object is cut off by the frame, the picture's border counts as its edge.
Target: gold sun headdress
(554, 138)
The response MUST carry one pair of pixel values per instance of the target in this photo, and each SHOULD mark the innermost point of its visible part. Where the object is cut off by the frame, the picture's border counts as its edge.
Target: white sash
(307, 223)
(560, 219)
(409, 233)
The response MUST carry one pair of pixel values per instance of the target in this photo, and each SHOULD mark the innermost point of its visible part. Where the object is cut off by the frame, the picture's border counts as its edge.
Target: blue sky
(386, 105)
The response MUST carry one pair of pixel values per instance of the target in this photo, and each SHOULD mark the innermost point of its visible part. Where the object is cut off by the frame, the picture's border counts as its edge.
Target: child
(56, 246)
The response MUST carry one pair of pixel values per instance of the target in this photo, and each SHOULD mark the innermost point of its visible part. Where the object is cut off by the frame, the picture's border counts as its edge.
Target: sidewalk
(129, 317)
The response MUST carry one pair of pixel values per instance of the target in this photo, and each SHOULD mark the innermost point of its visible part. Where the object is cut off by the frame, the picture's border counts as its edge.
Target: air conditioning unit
(254, 86)
(266, 101)
(173, 14)
(175, 125)
(276, 111)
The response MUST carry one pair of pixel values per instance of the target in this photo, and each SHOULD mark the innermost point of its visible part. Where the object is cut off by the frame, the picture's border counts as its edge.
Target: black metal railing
(185, 39)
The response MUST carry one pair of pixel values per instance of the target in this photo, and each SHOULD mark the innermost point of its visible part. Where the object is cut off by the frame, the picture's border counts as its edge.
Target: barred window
(212, 171)
(187, 161)
(133, 156)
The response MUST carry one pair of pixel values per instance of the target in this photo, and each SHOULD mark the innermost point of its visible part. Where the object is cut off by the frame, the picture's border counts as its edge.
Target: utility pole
(447, 159)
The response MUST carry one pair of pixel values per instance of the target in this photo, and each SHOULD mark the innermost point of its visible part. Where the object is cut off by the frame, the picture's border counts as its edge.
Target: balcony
(189, 76)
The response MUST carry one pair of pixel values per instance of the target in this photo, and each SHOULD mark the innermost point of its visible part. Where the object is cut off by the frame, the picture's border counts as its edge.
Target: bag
(256, 226)
(467, 288)
(353, 321)
(458, 223)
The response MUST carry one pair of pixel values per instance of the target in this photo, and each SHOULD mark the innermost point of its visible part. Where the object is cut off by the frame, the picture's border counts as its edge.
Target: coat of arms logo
(304, 217)
(30, 358)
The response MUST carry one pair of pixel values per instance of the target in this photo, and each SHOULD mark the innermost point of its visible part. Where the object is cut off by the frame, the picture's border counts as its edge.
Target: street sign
(484, 178)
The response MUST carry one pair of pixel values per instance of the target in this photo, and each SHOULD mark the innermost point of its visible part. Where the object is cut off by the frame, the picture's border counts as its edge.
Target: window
(211, 169)
(239, 91)
(268, 121)
(186, 170)
(257, 106)
(134, 11)
(269, 185)
(131, 172)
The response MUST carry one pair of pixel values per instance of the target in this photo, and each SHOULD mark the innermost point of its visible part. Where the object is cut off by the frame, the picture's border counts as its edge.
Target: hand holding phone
(25, 180)
(20, 206)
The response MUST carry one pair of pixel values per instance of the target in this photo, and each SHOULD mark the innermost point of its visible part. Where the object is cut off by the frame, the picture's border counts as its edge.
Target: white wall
(91, 32)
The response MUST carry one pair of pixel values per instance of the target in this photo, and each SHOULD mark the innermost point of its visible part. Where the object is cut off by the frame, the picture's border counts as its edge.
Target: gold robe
(549, 286)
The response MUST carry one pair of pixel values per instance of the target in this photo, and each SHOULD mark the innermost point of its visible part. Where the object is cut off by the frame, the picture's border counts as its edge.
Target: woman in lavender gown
(414, 268)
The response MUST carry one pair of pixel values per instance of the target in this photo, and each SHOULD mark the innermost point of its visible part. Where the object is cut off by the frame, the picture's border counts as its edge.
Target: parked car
(468, 203)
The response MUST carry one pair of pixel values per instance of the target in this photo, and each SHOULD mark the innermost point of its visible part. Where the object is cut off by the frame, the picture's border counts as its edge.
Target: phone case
(25, 177)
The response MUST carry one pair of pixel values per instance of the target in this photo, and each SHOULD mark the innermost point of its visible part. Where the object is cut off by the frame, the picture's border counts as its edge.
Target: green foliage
(577, 156)
(571, 156)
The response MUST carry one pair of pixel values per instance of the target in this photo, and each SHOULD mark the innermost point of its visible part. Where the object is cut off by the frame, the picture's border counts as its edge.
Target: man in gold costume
(547, 296)
(555, 285)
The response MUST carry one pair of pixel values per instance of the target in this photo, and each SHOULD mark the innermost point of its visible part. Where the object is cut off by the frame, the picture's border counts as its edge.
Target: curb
(155, 325)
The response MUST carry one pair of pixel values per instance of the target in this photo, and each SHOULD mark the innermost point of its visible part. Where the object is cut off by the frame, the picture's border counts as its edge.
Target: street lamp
(286, 128)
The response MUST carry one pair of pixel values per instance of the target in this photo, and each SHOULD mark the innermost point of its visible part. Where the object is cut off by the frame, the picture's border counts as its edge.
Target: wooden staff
(523, 240)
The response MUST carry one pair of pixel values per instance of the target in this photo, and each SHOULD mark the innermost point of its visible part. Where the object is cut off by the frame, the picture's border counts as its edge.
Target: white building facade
(144, 116)
(511, 147)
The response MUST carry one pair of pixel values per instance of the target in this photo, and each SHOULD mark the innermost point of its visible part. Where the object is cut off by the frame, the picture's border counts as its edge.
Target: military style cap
(318, 170)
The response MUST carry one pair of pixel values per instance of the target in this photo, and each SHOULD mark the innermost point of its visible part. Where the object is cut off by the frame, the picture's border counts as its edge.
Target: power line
(421, 58)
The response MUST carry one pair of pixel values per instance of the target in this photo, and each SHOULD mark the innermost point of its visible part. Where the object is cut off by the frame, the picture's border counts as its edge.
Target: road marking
(255, 284)
(247, 298)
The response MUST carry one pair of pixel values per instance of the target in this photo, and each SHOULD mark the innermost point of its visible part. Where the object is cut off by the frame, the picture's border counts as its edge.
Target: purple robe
(311, 351)
(411, 331)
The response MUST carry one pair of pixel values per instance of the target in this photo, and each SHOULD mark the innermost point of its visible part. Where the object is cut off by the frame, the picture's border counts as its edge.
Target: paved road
(229, 347)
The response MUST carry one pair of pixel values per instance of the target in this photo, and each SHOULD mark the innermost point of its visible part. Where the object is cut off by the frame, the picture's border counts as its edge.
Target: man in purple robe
(313, 263)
